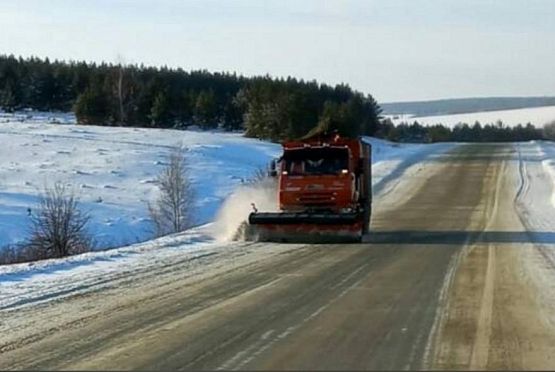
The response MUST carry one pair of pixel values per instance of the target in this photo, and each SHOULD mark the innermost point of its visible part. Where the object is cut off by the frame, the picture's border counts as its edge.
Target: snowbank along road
(457, 274)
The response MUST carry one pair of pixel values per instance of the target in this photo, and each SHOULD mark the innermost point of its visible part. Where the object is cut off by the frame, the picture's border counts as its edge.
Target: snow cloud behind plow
(236, 208)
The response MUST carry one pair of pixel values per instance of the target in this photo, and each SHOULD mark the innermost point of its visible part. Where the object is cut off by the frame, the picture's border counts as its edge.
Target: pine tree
(205, 110)
(159, 113)
(92, 107)
(232, 115)
(8, 100)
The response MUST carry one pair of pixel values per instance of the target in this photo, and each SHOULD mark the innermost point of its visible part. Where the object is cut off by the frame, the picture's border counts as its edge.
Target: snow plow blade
(306, 227)
(296, 218)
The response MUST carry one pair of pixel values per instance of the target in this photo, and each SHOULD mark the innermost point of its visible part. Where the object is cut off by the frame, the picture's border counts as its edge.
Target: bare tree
(122, 117)
(58, 228)
(172, 210)
(123, 90)
(17, 253)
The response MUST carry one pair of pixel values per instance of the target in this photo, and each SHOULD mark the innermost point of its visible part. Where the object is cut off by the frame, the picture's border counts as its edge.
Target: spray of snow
(236, 208)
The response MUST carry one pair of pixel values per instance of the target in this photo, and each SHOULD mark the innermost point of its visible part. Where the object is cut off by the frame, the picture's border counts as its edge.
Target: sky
(396, 50)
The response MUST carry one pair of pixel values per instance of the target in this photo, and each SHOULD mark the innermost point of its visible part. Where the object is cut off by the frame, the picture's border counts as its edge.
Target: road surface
(439, 284)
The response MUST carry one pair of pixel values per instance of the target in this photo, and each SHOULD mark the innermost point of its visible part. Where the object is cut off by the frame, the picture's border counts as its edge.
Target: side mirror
(272, 169)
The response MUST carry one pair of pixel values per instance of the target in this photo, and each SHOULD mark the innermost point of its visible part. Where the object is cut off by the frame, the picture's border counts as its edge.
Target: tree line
(162, 97)
(263, 107)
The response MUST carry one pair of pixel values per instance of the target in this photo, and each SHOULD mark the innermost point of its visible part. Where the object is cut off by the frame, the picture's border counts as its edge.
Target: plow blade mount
(306, 227)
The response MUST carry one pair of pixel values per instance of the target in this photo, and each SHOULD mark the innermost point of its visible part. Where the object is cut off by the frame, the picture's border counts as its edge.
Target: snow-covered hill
(538, 116)
(113, 170)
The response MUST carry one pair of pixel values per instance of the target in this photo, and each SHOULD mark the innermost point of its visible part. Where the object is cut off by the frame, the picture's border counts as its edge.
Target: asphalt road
(437, 284)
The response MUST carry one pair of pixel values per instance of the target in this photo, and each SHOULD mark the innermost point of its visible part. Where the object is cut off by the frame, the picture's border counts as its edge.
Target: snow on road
(538, 116)
(129, 156)
(32, 283)
(547, 152)
(536, 195)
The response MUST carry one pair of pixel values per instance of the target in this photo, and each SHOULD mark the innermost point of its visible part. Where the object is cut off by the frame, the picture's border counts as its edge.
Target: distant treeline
(263, 107)
(136, 95)
(498, 132)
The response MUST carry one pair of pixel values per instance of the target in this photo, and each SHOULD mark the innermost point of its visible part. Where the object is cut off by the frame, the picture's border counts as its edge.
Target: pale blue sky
(393, 49)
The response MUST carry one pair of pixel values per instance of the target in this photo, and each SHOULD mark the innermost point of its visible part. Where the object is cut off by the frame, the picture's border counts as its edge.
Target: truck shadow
(459, 237)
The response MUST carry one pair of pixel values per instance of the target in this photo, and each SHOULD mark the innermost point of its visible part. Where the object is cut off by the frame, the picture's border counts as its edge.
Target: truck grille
(317, 198)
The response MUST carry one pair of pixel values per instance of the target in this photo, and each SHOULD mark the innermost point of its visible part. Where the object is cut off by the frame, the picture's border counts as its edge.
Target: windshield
(316, 161)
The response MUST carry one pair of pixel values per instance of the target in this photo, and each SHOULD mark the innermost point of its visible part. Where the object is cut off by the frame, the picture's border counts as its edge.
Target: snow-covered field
(538, 116)
(113, 170)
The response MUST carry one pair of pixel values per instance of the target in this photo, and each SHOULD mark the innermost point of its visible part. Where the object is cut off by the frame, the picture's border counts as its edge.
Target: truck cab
(317, 178)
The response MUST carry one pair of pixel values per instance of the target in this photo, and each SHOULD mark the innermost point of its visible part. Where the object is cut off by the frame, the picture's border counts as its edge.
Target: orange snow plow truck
(324, 192)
